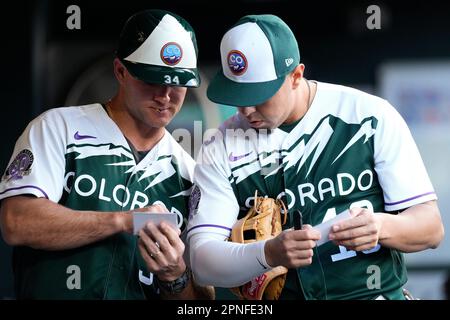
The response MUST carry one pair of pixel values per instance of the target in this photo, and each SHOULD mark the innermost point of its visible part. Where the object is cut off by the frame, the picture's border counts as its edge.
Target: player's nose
(246, 111)
(162, 94)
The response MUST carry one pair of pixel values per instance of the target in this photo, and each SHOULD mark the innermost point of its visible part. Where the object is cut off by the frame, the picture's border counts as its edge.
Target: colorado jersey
(351, 149)
(79, 158)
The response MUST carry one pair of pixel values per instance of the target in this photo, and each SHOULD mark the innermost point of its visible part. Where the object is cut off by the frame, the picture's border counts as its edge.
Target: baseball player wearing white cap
(321, 148)
(77, 173)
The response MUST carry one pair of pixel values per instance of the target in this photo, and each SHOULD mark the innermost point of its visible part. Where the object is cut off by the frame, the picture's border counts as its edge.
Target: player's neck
(143, 138)
(305, 96)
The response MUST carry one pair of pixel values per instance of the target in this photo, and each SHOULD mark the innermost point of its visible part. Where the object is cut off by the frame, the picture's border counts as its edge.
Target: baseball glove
(263, 221)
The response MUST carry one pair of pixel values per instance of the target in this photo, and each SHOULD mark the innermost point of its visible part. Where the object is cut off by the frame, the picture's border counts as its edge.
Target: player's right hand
(292, 248)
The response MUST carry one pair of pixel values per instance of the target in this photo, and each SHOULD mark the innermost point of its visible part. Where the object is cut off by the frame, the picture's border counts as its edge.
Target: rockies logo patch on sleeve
(20, 166)
(194, 200)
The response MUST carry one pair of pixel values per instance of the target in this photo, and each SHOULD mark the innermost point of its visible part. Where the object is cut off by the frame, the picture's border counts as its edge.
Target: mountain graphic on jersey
(107, 177)
(332, 160)
(323, 173)
(83, 162)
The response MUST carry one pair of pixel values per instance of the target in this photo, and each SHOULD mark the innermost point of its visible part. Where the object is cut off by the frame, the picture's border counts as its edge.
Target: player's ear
(119, 70)
(297, 75)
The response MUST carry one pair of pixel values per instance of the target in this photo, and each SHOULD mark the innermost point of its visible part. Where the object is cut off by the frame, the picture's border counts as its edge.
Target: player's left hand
(162, 250)
(361, 232)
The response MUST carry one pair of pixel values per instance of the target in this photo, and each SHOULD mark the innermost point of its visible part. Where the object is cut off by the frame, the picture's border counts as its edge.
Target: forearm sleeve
(225, 264)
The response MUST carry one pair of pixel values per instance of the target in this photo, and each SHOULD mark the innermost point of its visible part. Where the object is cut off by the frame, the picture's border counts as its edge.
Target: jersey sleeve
(213, 207)
(401, 172)
(37, 164)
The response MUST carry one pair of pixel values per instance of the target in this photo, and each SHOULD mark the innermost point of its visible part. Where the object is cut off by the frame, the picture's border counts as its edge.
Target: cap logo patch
(171, 53)
(237, 62)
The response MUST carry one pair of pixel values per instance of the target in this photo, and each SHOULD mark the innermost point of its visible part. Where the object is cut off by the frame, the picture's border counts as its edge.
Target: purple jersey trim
(209, 225)
(23, 187)
(409, 199)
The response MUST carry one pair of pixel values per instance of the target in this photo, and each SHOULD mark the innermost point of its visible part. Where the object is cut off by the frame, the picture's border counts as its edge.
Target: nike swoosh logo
(236, 158)
(78, 136)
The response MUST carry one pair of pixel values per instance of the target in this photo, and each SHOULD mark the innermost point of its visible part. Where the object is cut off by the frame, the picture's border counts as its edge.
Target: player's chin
(161, 123)
(162, 118)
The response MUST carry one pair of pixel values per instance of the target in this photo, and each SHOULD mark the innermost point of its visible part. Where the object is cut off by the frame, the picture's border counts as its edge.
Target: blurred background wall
(406, 60)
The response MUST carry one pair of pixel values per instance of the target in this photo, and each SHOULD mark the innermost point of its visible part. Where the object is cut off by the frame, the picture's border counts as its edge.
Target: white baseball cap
(157, 46)
(256, 54)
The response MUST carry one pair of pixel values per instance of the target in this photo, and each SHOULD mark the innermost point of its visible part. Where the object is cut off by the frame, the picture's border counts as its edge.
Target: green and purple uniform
(79, 158)
(351, 149)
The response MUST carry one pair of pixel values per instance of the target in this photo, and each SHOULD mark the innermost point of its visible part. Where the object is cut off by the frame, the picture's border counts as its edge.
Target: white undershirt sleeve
(221, 263)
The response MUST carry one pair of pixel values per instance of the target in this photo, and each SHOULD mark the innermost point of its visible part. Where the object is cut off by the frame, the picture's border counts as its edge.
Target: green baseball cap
(157, 46)
(256, 54)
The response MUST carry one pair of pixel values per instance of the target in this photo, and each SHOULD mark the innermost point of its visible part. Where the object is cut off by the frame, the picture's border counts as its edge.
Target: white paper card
(325, 227)
(141, 218)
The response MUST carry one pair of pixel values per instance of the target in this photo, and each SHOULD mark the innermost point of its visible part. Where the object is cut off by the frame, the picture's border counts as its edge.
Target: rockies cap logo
(171, 53)
(237, 62)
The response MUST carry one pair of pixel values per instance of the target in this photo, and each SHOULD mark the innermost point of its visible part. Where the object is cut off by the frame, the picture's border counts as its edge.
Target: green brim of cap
(178, 77)
(239, 94)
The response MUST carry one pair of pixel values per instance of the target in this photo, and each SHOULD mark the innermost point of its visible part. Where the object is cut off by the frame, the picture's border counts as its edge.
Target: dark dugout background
(41, 58)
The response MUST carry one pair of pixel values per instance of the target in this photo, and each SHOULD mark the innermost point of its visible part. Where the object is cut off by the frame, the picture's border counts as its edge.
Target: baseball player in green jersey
(77, 174)
(324, 149)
